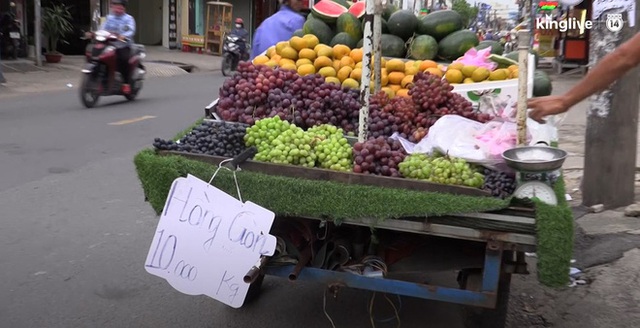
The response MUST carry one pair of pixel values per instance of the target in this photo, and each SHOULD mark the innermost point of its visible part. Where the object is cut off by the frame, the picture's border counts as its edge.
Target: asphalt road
(75, 229)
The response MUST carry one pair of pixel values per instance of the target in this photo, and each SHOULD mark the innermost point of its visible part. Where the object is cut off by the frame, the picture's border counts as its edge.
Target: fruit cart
(378, 231)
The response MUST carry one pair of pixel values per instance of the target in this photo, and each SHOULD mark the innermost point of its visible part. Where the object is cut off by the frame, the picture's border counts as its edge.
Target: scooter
(100, 74)
(11, 37)
(231, 54)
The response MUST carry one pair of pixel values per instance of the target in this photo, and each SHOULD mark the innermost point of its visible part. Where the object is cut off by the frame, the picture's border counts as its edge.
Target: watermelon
(383, 24)
(456, 44)
(389, 9)
(349, 24)
(496, 47)
(502, 61)
(344, 38)
(318, 28)
(440, 23)
(392, 46)
(514, 55)
(342, 3)
(423, 47)
(541, 84)
(328, 11)
(358, 9)
(402, 23)
(299, 33)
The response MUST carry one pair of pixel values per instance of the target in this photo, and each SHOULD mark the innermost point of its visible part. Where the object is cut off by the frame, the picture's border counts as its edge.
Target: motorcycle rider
(124, 25)
(242, 33)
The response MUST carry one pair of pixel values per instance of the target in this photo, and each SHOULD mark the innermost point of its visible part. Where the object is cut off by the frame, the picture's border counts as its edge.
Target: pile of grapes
(441, 169)
(380, 156)
(499, 184)
(257, 92)
(281, 142)
(209, 138)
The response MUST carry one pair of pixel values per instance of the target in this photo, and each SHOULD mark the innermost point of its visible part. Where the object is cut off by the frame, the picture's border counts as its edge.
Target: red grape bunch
(379, 156)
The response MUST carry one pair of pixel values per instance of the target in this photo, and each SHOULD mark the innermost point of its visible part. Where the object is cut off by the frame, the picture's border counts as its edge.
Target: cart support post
(492, 267)
(612, 122)
(365, 84)
(377, 44)
(523, 65)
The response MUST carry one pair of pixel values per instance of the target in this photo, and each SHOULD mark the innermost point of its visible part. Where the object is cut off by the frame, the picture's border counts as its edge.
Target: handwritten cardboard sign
(207, 240)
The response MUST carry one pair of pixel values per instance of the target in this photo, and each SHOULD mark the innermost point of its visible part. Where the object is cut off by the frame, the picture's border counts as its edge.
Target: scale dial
(539, 190)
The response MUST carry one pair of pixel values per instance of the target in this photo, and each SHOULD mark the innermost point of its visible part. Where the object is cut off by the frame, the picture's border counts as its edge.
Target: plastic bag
(456, 136)
(497, 137)
(501, 107)
(478, 58)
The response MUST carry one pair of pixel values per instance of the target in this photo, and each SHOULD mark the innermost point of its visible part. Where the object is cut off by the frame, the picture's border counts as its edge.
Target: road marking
(132, 120)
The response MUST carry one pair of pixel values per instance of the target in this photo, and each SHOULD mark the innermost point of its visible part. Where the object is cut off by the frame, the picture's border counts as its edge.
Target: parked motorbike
(100, 74)
(511, 43)
(232, 54)
(11, 37)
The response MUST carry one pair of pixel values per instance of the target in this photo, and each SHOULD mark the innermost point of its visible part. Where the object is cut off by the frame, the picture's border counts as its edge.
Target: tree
(465, 10)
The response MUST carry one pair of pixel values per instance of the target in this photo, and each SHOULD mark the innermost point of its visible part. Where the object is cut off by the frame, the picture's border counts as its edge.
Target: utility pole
(37, 31)
(612, 122)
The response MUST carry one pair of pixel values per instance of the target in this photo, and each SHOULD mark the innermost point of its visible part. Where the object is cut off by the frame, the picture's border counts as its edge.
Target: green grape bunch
(441, 169)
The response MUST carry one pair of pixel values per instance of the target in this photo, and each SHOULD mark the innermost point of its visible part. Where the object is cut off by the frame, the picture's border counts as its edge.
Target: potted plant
(56, 23)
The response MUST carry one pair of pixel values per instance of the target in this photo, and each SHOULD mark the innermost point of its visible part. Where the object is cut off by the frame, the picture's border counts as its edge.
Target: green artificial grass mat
(300, 197)
(554, 225)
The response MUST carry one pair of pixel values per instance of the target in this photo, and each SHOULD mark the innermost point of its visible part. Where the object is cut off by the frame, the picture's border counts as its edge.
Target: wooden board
(343, 177)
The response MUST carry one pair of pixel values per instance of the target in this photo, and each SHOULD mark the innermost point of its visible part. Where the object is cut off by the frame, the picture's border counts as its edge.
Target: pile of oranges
(341, 65)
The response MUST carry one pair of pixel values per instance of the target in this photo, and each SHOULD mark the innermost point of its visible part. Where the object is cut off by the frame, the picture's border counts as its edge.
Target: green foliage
(467, 12)
(56, 23)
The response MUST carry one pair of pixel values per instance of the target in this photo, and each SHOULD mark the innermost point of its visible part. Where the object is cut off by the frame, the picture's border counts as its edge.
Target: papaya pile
(438, 35)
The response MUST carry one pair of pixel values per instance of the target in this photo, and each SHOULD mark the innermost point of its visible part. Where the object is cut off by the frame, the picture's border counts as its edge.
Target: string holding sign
(207, 240)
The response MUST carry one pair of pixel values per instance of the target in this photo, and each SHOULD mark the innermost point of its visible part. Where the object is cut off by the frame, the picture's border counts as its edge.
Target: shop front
(203, 23)
(153, 20)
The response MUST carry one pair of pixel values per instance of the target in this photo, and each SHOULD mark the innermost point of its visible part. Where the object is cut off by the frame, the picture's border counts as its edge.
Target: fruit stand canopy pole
(365, 83)
(523, 65)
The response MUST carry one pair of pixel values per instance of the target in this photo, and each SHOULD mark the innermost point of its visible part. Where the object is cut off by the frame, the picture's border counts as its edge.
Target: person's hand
(121, 37)
(88, 35)
(545, 106)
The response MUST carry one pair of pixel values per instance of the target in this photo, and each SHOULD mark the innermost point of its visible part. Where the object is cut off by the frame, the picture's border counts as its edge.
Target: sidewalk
(24, 77)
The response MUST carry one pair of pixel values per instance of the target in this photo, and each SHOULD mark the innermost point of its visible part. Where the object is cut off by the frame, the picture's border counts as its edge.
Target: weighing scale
(538, 160)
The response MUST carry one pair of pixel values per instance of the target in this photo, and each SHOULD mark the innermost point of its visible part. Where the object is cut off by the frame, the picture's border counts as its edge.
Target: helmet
(119, 2)
(239, 21)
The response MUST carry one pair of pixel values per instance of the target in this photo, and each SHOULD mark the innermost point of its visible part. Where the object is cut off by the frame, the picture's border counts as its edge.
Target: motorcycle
(100, 74)
(11, 38)
(231, 54)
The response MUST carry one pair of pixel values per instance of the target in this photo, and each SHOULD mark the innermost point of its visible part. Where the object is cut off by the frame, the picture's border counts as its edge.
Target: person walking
(278, 27)
(613, 66)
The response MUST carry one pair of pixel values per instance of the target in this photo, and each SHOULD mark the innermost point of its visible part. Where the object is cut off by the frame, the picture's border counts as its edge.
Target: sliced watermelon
(328, 11)
(358, 9)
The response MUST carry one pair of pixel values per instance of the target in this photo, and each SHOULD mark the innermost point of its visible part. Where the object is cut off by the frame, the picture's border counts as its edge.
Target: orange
(344, 73)
(312, 40)
(303, 61)
(340, 50)
(323, 61)
(434, 71)
(402, 93)
(356, 55)
(306, 69)
(427, 64)
(276, 58)
(395, 65)
(307, 53)
(407, 82)
(336, 64)
(347, 61)
(260, 60)
(394, 87)
(298, 43)
(396, 77)
(453, 76)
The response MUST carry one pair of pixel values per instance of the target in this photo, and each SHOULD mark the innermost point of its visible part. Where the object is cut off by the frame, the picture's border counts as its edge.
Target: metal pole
(377, 44)
(37, 30)
(365, 84)
(523, 65)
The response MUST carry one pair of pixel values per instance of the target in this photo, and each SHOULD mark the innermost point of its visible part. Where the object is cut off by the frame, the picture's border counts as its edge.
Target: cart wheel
(254, 289)
(476, 317)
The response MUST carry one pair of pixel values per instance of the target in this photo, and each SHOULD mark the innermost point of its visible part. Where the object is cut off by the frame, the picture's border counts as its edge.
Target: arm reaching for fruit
(609, 69)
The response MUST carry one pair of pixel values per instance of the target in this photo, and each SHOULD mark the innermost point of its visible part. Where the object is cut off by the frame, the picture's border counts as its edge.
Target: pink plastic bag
(478, 58)
(497, 137)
